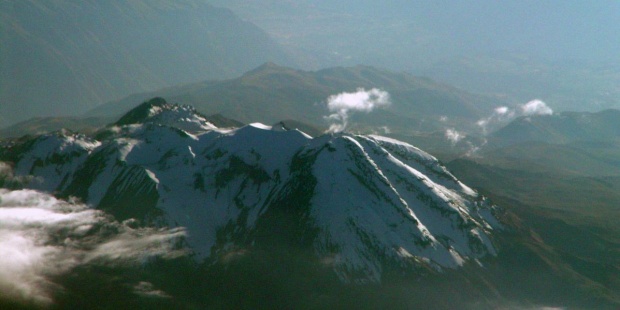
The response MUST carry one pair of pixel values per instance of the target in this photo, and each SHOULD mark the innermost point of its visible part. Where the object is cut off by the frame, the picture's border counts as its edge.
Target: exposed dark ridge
(291, 124)
(141, 112)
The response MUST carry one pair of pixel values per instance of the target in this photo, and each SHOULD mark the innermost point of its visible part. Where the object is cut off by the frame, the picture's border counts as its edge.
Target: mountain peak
(268, 68)
(159, 111)
(142, 112)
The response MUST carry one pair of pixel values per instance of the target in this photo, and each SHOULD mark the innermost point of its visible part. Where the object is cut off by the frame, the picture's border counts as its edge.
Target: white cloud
(362, 100)
(503, 111)
(344, 103)
(42, 237)
(473, 149)
(453, 136)
(503, 114)
(536, 107)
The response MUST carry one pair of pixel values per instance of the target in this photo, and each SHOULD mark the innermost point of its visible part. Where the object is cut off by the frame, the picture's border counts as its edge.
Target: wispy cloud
(472, 149)
(147, 289)
(42, 237)
(499, 115)
(341, 105)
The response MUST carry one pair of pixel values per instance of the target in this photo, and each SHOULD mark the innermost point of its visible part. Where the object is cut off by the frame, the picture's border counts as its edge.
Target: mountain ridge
(360, 202)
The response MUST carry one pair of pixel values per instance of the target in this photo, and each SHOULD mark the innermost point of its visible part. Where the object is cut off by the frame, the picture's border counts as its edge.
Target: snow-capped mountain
(360, 202)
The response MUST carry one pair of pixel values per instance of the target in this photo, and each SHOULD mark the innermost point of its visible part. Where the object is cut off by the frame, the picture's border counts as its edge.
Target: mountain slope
(561, 128)
(60, 56)
(574, 215)
(592, 159)
(362, 203)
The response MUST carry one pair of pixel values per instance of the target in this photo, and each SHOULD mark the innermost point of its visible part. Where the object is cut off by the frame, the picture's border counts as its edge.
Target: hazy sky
(555, 30)
(549, 29)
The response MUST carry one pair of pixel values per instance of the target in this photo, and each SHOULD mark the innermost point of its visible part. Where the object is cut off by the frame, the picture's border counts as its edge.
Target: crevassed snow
(454, 205)
(349, 212)
(420, 160)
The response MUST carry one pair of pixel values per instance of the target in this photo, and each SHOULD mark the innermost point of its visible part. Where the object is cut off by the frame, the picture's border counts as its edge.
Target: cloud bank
(42, 237)
(341, 105)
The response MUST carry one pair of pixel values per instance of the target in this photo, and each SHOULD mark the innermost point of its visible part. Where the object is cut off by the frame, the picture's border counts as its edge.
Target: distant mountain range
(271, 93)
(42, 125)
(63, 57)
